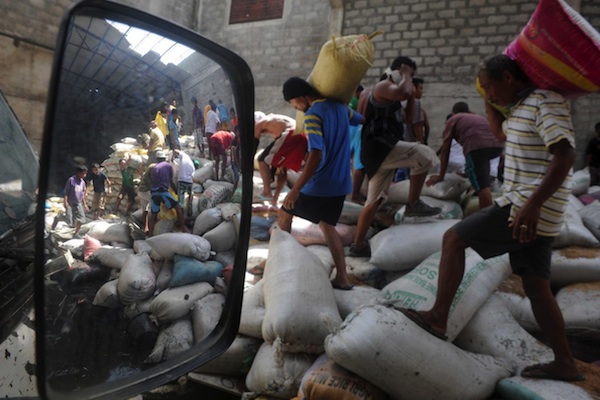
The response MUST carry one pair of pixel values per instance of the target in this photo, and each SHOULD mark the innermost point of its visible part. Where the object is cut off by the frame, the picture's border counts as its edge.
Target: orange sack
(559, 50)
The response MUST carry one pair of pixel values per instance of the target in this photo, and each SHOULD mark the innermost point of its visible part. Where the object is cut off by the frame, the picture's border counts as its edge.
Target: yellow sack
(166, 213)
(341, 65)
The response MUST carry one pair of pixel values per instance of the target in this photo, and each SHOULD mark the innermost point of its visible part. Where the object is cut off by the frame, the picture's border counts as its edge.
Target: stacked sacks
(130, 149)
(300, 311)
(168, 283)
(479, 323)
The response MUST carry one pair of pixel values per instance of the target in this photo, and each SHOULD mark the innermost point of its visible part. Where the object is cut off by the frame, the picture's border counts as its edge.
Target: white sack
(137, 280)
(580, 182)
(494, 331)
(364, 270)
(217, 193)
(253, 311)
(111, 257)
(418, 288)
(300, 307)
(236, 360)
(163, 226)
(223, 237)
(229, 211)
(387, 349)
(276, 373)
(206, 314)
(573, 232)
(403, 247)
(109, 232)
(172, 340)
(185, 244)
(207, 220)
(324, 254)
(141, 246)
(350, 213)
(520, 308)
(75, 246)
(132, 310)
(349, 300)
(203, 173)
(580, 306)
(174, 303)
(164, 276)
(107, 295)
(590, 215)
(575, 264)
(451, 188)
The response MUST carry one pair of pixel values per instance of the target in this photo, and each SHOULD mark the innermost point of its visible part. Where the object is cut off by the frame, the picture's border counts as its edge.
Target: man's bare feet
(554, 371)
(342, 285)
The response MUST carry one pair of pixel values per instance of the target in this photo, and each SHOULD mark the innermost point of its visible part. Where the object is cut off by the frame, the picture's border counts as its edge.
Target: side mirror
(114, 68)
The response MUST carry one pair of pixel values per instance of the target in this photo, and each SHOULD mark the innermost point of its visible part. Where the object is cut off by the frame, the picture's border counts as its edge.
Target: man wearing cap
(101, 185)
(161, 176)
(318, 194)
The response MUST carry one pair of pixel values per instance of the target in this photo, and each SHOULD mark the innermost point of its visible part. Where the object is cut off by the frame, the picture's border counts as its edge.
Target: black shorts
(128, 191)
(477, 166)
(317, 208)
(488, 233)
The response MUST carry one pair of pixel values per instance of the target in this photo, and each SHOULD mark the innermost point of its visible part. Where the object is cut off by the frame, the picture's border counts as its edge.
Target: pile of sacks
(172, 283)
(300, 338)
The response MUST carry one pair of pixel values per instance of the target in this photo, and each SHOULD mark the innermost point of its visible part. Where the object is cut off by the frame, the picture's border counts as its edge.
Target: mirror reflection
(143, 203)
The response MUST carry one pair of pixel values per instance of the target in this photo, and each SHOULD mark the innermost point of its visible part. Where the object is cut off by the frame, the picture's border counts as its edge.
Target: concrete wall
(447, 38)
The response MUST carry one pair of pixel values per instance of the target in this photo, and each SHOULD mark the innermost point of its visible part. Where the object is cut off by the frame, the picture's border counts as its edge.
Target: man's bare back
(274, 124)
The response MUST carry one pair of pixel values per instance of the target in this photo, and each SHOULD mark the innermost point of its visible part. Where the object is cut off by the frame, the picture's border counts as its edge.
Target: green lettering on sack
(404, 299)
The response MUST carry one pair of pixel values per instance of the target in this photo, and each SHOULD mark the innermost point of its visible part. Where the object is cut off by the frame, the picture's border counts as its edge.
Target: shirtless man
(278, 126)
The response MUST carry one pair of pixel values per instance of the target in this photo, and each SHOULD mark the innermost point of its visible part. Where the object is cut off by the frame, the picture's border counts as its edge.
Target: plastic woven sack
(559, 50)
(341, 65)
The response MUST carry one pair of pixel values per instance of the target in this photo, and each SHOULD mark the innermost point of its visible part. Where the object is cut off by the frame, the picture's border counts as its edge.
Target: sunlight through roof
(142, 42)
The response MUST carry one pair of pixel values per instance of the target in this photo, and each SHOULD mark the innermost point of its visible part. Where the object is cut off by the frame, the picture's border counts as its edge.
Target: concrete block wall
(448, 39)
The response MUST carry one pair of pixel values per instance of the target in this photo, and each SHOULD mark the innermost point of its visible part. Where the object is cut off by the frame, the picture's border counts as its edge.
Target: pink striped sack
(559, 50)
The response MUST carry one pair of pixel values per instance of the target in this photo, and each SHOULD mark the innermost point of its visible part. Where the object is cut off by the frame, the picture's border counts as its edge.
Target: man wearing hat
(161, 177)
(319, 193)
(101, 184)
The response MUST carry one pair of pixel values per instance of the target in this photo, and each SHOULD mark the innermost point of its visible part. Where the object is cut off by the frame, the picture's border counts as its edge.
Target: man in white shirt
(213, 124)
(184, 178)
